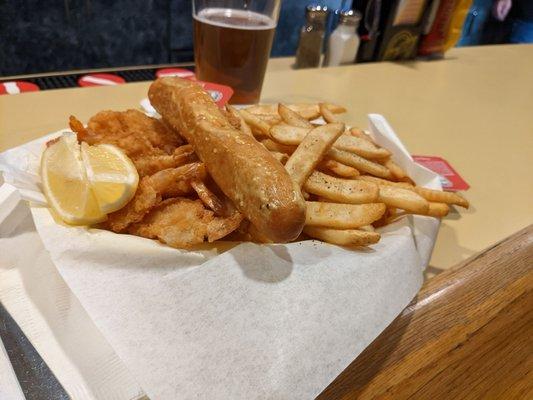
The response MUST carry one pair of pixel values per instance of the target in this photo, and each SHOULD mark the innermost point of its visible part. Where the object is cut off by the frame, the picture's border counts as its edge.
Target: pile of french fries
(350, 183)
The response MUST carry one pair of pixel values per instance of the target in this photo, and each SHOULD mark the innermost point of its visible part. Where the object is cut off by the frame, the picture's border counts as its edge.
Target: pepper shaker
(312, 37)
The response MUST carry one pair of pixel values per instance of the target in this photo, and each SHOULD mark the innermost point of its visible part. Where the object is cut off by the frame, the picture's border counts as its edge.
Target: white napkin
(9, 385)
(257, 321)
(53, 320)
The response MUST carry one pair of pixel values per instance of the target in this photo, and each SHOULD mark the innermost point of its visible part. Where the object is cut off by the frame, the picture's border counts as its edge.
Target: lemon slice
(84, 183)
(65, 183)
(111, 174)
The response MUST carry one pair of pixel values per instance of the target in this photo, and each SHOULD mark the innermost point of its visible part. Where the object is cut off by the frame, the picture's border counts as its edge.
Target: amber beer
(232, 47)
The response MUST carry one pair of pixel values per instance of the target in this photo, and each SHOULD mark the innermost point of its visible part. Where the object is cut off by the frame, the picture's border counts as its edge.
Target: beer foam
(236, 19)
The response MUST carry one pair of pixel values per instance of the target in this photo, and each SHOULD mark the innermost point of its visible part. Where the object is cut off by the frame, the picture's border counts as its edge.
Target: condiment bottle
(433, 41)
(344, 41)
(446, 28)
(312, 37)
(456, 25)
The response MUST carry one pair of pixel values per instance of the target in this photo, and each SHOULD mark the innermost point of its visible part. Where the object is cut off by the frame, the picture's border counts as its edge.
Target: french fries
(332, 166)
(351, 185)
(259, 127)
(435, 196)
(342, 190)
(342, 216)
(278, 147)
(270, 119)
(343, 237)
(438, 210)
(360, 163)
(403, 198)
(290, 135)
(360, 134)
(397, 172)
(362, 147)
(292, 117)
(244, 128)
(407, 180)
(307, 110)
(343, 206)
(327, 114)
(310, 152)
(385, 182)
(293, 135)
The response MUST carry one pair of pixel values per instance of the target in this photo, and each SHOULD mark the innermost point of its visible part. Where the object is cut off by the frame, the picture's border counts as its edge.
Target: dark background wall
(57, 35)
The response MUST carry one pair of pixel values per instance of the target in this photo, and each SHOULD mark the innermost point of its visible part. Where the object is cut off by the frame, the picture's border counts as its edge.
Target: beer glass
(232, 43)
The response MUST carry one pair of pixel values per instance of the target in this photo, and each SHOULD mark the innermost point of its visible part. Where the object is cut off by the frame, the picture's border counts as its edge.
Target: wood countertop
(467, 335)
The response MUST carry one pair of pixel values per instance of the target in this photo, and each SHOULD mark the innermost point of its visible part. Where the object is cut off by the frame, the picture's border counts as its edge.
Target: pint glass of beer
(232, 42)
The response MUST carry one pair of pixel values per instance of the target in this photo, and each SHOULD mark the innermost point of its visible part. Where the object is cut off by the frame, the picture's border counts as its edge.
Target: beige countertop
(474, 109)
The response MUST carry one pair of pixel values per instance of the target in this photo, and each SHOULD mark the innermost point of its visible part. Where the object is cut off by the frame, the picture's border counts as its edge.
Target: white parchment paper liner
(256, 321)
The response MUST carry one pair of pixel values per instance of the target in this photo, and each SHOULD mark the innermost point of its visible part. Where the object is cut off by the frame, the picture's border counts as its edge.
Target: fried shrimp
(152, 190)
(182, 222)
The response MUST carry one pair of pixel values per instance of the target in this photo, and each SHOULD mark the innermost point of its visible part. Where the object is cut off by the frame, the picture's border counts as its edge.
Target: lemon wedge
(111, 174)
(83, 184)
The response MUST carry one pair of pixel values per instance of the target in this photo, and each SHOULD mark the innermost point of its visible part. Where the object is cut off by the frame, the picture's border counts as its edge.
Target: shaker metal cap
(350, 17)
(316, 12)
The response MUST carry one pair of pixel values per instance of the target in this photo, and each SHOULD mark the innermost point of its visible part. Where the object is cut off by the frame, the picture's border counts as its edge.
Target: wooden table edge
(465, 335)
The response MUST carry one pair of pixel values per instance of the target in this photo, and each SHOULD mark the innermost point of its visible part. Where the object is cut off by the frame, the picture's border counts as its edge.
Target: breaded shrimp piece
(152, 190)
(133, 125)
(134, 132)
(181, 223)
(149, 165)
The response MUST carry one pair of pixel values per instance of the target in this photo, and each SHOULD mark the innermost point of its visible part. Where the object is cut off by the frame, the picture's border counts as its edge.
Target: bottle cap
(316, 13)
(350, 17)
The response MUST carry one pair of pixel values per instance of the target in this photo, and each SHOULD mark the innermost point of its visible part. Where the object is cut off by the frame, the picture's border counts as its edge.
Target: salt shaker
(344, 41)
(312, 37)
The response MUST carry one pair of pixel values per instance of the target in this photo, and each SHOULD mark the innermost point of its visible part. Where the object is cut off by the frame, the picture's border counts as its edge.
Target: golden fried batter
(129, 127)
(149, 165)
(152, 190)
(149, 142)
(181, 222)
(169, 170)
